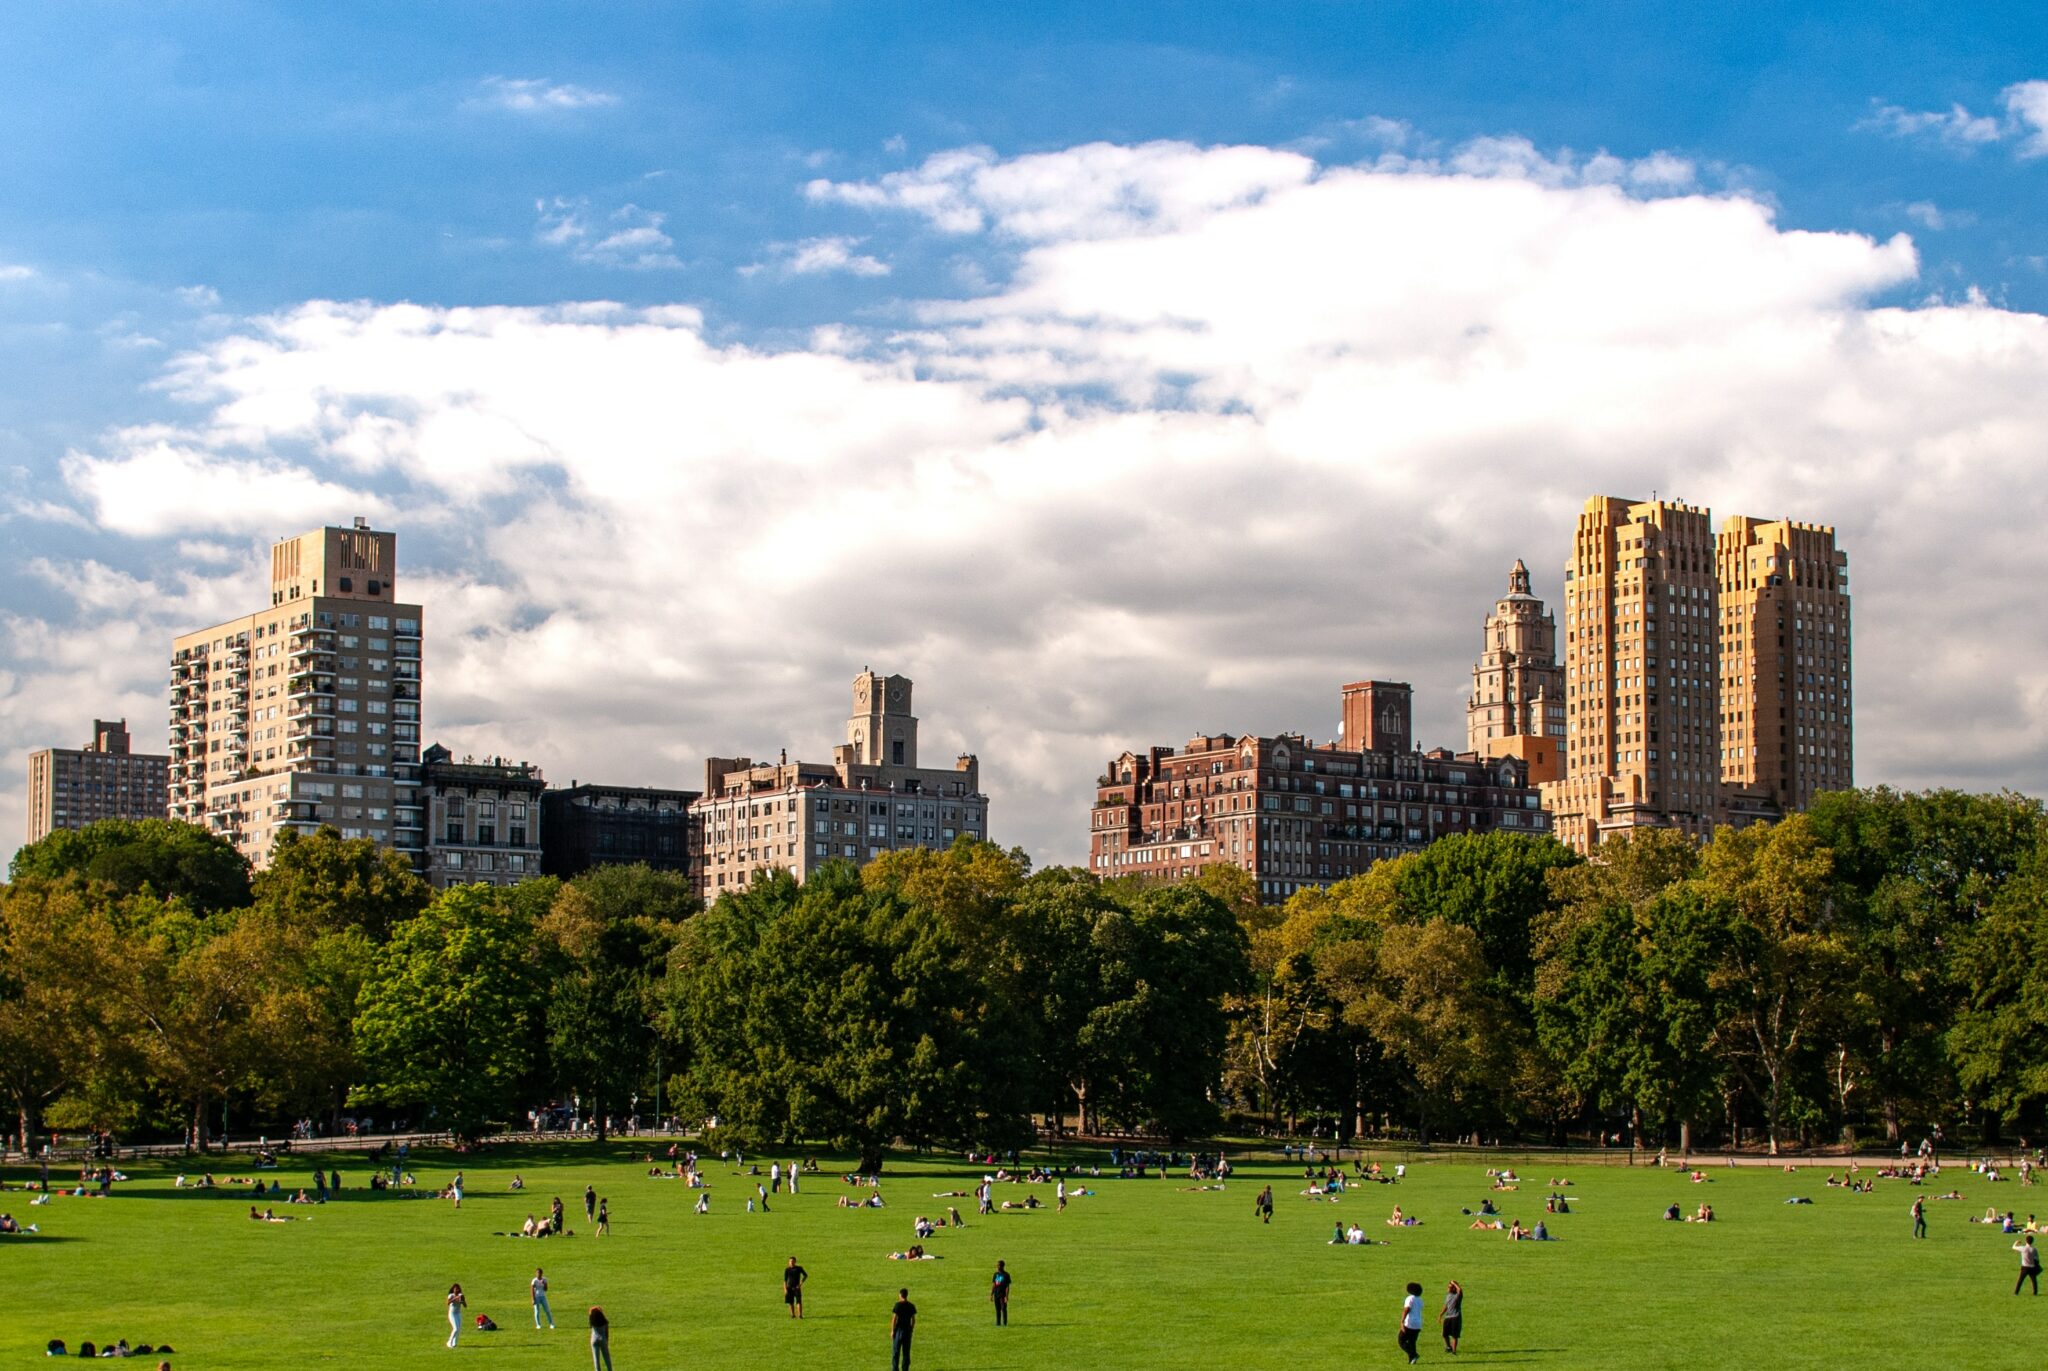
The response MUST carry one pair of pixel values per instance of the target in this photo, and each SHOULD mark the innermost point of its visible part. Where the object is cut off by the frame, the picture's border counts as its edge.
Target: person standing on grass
(1452, 1316)
(1062, 1195)
(604, 1218)
(902, 1321)
(539, 1287)
(589, 1203)
(1263, 1206)
(793, 1278)
(1411, 1323)
(761, 1192)
(456, 1305)
(1919, 1217)
(600, 1340)
(2030, 1264)
(999, 1295)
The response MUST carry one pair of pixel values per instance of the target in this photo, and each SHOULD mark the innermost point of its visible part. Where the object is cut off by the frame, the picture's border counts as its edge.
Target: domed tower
(1517, 704)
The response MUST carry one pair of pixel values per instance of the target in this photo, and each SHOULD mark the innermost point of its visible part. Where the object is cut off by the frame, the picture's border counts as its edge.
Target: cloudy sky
(1118, 372)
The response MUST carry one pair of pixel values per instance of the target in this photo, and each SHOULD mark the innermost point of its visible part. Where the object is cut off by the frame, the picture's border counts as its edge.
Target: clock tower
(882, 731)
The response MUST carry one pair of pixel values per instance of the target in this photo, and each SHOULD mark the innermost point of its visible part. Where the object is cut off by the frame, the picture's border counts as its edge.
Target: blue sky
(179, 174)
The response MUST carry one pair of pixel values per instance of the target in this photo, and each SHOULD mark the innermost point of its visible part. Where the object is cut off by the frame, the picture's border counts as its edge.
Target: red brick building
(1295, 813)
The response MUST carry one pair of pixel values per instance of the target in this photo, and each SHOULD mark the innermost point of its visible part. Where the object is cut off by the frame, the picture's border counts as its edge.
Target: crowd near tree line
(1874, 966)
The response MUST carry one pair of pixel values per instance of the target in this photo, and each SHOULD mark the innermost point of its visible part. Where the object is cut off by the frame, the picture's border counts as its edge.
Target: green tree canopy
(172, 860)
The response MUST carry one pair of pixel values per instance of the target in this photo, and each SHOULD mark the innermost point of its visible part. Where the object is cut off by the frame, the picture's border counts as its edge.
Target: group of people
(537, 1290)
(1450, 1318)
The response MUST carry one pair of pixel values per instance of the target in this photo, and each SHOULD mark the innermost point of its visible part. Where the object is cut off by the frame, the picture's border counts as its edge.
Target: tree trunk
(870, 1159)
(1685, 1138)
(198, 1135)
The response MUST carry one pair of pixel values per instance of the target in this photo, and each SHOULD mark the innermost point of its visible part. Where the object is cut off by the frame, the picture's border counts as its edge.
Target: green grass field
(1141, 1274)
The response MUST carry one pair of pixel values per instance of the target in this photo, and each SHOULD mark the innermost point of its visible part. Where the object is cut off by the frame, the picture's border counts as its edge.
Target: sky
(1118, 372)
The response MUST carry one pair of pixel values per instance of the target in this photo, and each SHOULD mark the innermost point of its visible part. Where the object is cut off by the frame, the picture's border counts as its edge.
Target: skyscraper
(1642, 700)
(1517, 707)
(1706, 679)
(306, 712)
(73, 787)
(1785, 727)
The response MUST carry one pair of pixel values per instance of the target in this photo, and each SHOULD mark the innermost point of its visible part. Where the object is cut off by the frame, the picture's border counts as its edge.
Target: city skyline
(1112, 374)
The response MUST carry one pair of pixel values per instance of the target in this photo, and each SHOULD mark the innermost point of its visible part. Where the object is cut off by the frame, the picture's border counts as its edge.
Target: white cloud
(14, 271)
(2025, 120)
(2026, 104)
(629, 237)
(531, 95)
(1224, 429)
(819, 256)
(1934, 218)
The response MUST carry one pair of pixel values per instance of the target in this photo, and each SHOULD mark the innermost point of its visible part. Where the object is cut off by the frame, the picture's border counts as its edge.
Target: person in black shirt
(1263, 1206)
(999, 1294)
(902, 1319)
(793, 1278)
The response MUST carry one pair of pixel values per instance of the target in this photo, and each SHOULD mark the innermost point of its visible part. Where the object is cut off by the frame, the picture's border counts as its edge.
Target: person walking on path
(456, 1305)
(1262, 1208)
(1919, 1217)
(589, 1203)
(2030, 1264)
(600, 1340)
(999, 1295)
(1452, 1316)
(793, 1278)
(902, 1322)
(539, 1286)
(1411, 1323)
(604, 1218)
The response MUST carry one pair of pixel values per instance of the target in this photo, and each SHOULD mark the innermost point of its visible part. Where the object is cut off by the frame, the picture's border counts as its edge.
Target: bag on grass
(485, 1324)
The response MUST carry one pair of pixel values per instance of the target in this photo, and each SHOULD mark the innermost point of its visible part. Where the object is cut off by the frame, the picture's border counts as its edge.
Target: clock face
(897, 694)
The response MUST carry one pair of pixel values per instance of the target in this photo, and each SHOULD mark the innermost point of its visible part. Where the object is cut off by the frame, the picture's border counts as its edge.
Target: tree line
(1879, 963)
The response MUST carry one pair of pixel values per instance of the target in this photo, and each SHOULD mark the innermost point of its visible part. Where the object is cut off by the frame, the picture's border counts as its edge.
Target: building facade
(872, 797)
(615, 825)
(1787, 731)
(1517, 707)
(483, 819)
(1296, 814)
(73, 787)
(305, 712)
(1678, 649)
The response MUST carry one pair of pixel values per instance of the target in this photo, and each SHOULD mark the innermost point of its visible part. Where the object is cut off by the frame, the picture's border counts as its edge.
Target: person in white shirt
(1411, 1322)
(539, 1286)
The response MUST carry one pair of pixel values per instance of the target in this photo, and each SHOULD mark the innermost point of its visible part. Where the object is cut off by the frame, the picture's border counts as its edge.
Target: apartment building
(105, 779)
(483, 819)
(872, 797)
(307, 711)
(1298, 814)
(615, 825)
(1517, 706)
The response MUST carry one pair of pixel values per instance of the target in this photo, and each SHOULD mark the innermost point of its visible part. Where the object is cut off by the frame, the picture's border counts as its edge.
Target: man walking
(2030, 1264)
(1452, 1316)
(1062, 1193)
(589, 1203)
(1263, 1206)
(793, 1278)
(1919, 1217)
(999, 1295)
(902, 1320)
(539, 1286)
(1411, 1323)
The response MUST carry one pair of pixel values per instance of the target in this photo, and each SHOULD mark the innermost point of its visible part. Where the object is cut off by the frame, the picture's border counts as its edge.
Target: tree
(1999, 1039)
(446, 1018)
(1496, 884)
(174, 861)
(330, 882)
(1783, 955)
(828, 1010)
(1430, 1003)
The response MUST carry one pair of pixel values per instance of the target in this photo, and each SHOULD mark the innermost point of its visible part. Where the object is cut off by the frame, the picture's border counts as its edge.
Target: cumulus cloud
(818, 257)
(1222, 428)
(14, 271)
(629, 236)
(2026, 104)
(531, 95)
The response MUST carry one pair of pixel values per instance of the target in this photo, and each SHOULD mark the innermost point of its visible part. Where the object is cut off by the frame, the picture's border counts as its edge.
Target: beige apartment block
(73, 787)
(1786, 731)
(1642, 696)
(1707, 679)
(1517, 707)
(871, 798)
(305, 712)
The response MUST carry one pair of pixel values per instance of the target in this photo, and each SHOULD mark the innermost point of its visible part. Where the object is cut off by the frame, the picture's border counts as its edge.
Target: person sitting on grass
(704, 1203)
(1399, 1220)
(1541, 1233)
(923, 1227)
(1355, 1236)
(1672, 1214)
(1516, 1232)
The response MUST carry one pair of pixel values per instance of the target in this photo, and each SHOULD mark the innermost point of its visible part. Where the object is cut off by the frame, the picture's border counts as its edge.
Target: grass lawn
(1140, 1274)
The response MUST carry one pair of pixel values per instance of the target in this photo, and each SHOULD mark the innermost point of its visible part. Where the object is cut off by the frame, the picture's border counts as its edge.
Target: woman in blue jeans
(600, 1340)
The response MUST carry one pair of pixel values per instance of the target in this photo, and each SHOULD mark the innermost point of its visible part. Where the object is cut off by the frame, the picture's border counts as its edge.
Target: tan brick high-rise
(105, 779)
(1786, 731)
(1706, 679)
(306, 712)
